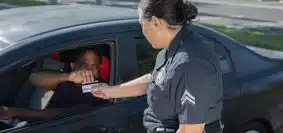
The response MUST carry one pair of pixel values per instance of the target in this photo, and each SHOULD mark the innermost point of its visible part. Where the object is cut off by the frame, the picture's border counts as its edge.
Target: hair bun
(190, 11)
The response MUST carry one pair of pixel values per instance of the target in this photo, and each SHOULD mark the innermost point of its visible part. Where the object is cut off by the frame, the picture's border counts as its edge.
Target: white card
(87, 87)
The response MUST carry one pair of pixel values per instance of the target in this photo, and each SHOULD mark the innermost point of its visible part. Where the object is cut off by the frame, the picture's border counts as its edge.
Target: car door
(104, 119)
(129, 49)
(115, 117)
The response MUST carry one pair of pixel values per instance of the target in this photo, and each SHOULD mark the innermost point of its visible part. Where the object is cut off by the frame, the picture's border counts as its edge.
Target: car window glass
(146, 56)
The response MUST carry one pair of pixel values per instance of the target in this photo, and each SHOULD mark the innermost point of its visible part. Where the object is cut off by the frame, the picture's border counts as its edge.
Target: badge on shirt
(160, 76)
(188, 98)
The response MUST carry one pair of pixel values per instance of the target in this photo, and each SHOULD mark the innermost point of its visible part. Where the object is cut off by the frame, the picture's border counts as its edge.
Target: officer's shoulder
(196, 52)
(185, 59)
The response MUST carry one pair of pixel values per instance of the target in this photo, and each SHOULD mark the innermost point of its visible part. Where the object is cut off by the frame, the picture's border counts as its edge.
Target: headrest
(65, 56)
(55, 56)
(104, 72)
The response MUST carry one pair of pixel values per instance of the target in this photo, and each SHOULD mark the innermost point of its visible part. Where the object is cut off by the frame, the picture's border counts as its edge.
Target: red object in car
(55, 56)
(104, 69)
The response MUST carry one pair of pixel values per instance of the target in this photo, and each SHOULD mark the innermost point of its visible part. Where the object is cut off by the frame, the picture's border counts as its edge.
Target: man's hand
(81, 76)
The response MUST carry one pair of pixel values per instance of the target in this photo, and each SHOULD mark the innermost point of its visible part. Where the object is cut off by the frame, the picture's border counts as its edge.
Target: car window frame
(32, 59)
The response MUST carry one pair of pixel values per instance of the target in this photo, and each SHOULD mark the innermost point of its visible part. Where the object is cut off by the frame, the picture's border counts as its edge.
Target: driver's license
(87, 87)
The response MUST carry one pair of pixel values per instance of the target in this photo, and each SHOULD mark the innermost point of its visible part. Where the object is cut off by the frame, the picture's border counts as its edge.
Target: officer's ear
(159, 23)
(156, 22)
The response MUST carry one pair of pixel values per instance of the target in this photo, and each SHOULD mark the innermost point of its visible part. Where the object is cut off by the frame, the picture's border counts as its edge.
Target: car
(38, 38)
(6, 6)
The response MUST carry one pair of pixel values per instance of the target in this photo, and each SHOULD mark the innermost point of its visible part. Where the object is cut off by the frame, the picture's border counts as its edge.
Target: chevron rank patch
(188, 98)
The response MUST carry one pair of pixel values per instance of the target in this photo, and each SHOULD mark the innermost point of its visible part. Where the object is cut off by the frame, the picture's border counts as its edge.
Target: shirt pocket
(160, 102)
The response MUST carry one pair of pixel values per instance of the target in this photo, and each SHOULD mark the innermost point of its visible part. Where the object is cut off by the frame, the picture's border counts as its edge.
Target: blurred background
(253, 22)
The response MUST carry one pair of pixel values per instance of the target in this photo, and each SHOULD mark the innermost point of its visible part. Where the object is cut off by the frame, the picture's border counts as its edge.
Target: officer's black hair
(175, 12)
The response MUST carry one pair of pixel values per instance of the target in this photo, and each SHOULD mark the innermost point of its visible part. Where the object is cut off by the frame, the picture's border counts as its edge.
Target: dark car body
(252, 82)
(6, 6)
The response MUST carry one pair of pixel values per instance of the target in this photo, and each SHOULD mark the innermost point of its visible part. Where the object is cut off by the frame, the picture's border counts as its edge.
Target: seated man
(68, 95)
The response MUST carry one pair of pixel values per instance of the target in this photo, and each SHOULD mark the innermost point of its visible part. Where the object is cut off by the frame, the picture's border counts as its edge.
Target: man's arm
(48, 80)
(136, 87)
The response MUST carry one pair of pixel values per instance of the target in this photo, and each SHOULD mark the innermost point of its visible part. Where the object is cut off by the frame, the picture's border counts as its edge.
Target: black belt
(213, 127)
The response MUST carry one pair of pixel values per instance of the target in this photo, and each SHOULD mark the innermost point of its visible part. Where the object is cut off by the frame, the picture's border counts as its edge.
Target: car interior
(18, 92)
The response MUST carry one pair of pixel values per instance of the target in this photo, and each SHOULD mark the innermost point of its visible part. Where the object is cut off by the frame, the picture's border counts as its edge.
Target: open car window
(22, 94)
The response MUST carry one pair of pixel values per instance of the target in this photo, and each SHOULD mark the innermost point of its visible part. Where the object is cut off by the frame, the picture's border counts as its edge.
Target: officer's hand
(101, 90)
(81, 76)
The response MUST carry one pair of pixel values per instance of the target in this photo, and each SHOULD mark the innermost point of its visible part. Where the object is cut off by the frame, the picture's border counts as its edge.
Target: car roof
(19, 23)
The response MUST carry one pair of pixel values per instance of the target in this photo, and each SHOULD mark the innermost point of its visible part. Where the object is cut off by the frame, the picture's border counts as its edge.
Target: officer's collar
(176, 42)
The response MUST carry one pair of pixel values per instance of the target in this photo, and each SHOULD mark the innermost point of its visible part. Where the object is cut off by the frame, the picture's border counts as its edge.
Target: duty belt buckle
(164, 130)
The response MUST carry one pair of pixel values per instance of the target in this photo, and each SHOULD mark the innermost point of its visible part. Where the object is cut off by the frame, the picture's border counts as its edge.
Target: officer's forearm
(191, 128)
(136, 87)
(141, 80)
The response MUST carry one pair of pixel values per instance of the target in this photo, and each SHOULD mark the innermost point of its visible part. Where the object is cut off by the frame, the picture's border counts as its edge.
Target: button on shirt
(186, 84)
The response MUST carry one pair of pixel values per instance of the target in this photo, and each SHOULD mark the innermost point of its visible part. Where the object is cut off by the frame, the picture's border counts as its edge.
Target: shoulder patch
(188, 98)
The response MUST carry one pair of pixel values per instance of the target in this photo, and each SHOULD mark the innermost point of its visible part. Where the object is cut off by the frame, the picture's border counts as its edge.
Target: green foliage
(253, 38)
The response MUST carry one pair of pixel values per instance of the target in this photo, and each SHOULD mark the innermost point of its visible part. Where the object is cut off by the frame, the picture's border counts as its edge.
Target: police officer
(185, 88)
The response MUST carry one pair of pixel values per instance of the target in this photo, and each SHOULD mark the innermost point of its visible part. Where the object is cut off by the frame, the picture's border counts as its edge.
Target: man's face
(88, 61)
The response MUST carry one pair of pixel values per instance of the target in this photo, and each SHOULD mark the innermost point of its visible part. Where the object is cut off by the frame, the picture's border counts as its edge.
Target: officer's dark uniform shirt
(186, 84)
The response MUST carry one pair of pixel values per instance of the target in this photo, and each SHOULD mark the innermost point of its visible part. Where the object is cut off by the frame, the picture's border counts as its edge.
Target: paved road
(252, 15)
(262, 16)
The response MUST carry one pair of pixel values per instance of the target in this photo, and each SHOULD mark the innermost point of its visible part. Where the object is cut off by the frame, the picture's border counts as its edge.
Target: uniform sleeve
(194, 95)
